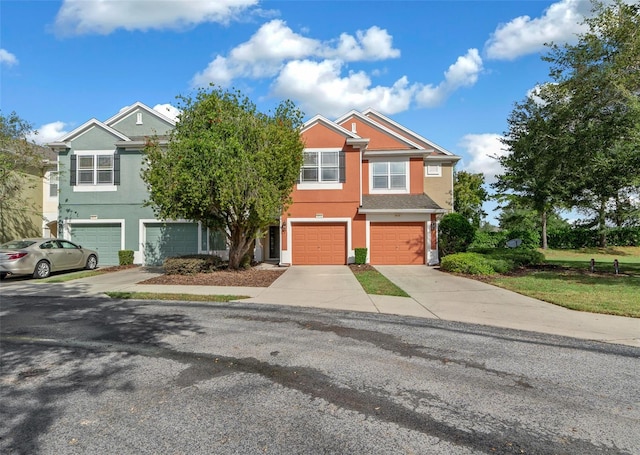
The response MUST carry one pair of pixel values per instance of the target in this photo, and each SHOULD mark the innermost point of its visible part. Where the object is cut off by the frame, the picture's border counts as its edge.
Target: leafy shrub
(487, 261)
(578, 237)
(484, 239)
(192, 264)
(470, 263)
(361, 255)
(517, 256)
(125, 257)
(455, 234)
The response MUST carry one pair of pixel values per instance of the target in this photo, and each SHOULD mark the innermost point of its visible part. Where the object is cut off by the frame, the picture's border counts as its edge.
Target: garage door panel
(319, 244)
(167, 240)
(397, 243)
(105, 238)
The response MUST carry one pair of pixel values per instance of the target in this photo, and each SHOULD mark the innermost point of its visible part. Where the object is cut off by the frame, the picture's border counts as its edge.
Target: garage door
(397, 243)
(319, 244)
(105, 238)
(170, 239)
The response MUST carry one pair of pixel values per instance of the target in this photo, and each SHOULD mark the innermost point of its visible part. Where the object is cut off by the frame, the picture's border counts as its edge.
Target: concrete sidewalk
(454, 298)
(434, 294)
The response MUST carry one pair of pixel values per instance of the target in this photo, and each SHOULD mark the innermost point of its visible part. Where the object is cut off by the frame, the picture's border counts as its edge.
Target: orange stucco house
(366, 182)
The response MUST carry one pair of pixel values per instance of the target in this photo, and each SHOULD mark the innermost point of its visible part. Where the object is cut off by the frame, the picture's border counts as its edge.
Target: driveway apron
(319, 286)
(460, 299)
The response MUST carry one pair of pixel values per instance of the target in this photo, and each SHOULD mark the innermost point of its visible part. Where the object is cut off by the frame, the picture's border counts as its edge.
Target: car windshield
(17, 244)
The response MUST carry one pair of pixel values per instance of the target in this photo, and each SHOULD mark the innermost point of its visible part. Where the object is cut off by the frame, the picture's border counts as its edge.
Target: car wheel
(43, 270)
(92, 262)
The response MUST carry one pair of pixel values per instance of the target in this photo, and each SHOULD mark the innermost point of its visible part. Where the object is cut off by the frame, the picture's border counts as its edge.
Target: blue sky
(449, 70)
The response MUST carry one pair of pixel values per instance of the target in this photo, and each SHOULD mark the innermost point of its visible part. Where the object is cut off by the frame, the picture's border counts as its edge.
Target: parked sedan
(40, 257)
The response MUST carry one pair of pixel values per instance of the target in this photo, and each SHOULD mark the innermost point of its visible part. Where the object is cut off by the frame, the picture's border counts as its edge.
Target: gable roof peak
(87, 126)
(126, 110)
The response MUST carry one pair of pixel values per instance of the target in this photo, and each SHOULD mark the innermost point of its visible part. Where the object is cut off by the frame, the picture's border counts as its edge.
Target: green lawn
(572, 285)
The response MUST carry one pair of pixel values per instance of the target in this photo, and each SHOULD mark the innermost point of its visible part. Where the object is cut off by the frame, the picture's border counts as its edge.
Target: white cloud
(49, 132)
(523, 35)
(463, 73)
(7, 58)
(312, 71)
(168, 111)
(320, 88)
(482, 148)
(267, 52)
(372, 44)
(77, 17)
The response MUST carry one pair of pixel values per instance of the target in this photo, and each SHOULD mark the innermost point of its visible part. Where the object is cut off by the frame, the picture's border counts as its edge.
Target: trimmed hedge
(488, 261)
(125, 257)
(469, 263)
(573, 238)
(192, 264)
(361, 255)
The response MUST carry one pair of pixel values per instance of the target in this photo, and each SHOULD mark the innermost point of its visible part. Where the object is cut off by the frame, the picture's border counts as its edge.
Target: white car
(40, 257)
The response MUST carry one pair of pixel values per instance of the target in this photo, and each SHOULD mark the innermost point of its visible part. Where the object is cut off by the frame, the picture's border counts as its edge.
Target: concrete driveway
(460, 299)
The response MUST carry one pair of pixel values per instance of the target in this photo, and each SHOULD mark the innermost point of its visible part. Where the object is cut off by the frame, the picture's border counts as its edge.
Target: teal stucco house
(102, 195)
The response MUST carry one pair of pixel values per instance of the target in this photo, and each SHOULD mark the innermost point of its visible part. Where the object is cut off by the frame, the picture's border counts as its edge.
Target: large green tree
(469, 195)
(226, 165)
(599, 78)
(21, 164)
(534, 170)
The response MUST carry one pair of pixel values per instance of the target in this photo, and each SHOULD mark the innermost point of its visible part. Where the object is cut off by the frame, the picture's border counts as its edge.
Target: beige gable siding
(440, 189)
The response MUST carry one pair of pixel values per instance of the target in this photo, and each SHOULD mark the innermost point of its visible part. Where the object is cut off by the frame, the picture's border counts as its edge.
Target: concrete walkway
(454, 298)
(434, 294)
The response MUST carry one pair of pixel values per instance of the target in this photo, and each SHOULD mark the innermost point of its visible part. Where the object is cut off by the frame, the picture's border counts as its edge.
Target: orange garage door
(397, 243)
(319, 244)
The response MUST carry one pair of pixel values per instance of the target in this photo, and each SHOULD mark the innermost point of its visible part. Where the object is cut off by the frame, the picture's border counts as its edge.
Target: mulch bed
(250, 277)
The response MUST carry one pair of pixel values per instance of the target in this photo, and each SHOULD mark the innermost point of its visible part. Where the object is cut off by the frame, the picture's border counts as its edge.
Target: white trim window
(51, 178)
(433, 170)
(95, 170)
(321, 166)
(390, 176)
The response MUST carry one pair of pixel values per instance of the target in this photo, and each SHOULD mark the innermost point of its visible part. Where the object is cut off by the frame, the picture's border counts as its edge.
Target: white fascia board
(334, 126)
(443, 158)
(380, 127)
(395, 153)
(399, 211)
(93, 123)
(406, 130)
(128, 110)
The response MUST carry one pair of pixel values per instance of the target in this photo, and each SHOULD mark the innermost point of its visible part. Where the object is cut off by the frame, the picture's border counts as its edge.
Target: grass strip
(169, 296)
(577, 290)
(373, 282)
(72, 276)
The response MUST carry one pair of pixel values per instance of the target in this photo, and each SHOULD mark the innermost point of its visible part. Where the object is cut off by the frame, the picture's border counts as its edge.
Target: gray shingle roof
(398, 202)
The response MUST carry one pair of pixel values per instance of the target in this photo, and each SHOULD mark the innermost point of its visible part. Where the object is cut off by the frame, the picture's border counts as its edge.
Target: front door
(274, 242)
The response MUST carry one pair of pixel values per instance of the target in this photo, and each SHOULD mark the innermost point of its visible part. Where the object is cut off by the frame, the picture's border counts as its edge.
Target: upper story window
(322, 169)
(95, 170)
(51, 178)
(320, 166)
(390, 176)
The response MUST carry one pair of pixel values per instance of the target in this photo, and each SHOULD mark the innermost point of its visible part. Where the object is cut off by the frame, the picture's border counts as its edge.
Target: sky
(450, 71)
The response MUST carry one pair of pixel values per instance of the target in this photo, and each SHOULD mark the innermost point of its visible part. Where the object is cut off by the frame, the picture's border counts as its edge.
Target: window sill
(319, 186)
(93, 188)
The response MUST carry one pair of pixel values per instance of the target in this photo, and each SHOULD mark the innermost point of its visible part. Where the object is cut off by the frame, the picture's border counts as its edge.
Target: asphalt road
(101, 376)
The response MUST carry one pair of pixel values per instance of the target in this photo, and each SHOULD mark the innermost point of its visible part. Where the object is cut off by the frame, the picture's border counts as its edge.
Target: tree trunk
(543, 219)
(239, 246)
(602, 233)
